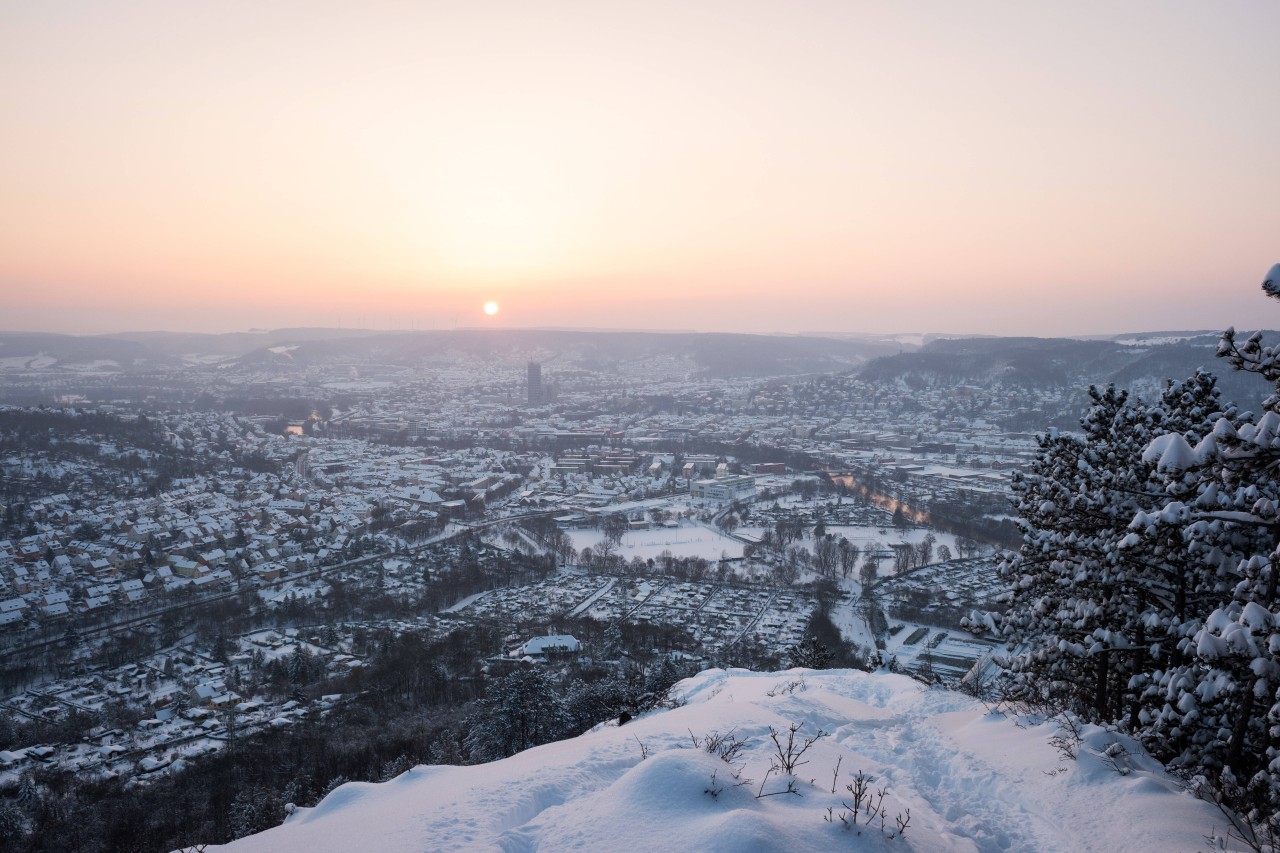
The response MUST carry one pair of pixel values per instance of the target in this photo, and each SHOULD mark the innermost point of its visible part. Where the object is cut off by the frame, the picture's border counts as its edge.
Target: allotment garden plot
(716, 615)
(552, 598)
(924, 609)
(942, 593)
(951, 654)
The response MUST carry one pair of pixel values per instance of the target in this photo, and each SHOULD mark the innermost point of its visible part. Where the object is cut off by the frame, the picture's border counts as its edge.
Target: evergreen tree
(1097, 610)
(12, 824)
(7, 731)
(334, 784)
(588, 704)
(900, 520)
(300, 666)
(520, 710)
(254, 809)
(1220, 700)
(1147, 589)
(811, 653)
(220, 650)
(611, 647)
(28, 791)
(329, 636)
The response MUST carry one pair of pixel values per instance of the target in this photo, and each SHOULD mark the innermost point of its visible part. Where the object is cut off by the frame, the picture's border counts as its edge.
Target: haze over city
(746, 166)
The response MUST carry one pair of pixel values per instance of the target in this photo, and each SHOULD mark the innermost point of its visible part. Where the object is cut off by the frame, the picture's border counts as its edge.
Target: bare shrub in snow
(726, 746)
(786, 689)
(867, 808)
(789, 754)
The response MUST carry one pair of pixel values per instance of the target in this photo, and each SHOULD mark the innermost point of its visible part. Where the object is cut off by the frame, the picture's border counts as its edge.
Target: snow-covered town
(172, 578)
(193, 573)
(601, 426)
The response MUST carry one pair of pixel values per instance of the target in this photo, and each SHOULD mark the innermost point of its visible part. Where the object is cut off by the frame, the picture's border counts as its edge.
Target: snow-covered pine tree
(12, 824)
(518, 711)
(1092, 607)
(811, 653)
(1175, 588)
(1061, 583)
(1220, 708)
(587, 704)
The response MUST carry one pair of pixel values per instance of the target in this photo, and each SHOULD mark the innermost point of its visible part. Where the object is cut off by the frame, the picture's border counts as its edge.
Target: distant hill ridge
(1066, 363)
(1132, 359)
(709, 354)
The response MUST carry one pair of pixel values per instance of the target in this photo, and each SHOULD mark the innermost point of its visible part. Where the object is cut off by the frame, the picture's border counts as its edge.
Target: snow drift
(972, 780)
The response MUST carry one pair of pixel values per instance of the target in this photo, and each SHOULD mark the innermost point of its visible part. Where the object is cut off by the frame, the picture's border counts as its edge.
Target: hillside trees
(519, 711)
(1093, 608)
(1147, 590)
(811, 653)
(849, 554)
(1221, 700)
(826, 555)
(588, 703)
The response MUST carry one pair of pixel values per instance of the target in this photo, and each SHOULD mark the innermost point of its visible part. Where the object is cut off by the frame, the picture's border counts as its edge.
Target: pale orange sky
(1007, 168)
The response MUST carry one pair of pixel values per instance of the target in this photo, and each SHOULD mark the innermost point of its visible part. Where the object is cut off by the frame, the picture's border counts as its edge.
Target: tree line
(1146, 594)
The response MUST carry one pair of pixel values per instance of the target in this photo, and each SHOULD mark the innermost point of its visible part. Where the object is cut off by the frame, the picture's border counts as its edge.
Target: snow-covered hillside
(972, 780)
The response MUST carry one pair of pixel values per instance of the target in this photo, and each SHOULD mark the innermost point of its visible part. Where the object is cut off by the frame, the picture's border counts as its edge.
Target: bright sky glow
(1040, 167)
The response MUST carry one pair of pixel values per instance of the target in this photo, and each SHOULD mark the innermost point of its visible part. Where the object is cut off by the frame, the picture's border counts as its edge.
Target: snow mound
(972, 780)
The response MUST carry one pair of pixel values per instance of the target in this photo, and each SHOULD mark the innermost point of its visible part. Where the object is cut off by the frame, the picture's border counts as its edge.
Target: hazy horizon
(836, 168)
(899, 336)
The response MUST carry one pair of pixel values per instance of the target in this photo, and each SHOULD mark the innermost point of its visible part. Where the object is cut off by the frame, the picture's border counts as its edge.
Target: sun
(491, 308)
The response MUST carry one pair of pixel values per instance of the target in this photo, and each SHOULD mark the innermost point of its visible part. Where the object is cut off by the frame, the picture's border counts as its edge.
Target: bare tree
(848, 556)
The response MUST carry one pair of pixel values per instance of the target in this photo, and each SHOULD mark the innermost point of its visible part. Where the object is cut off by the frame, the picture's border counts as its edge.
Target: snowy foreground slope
(973, 781)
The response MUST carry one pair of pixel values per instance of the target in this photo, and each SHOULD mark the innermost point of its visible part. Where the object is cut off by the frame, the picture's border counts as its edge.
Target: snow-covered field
(692, 540)
(972, 780)
(865, 537)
